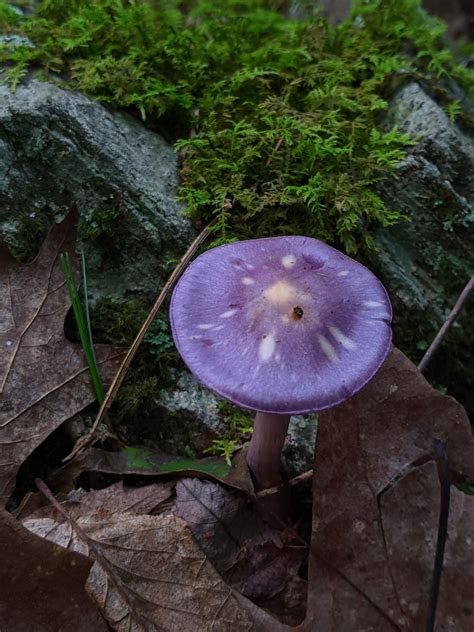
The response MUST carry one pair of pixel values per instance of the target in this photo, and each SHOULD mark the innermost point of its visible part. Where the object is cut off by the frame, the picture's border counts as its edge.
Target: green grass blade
(86, 340)
(86, 303)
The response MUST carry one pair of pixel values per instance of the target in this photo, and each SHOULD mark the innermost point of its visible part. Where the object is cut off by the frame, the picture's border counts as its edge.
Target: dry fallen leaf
(150, 574)
(118, 498)
(376, 505)
(249, 554)
(43, 585)
(44, 379)
(222, 522)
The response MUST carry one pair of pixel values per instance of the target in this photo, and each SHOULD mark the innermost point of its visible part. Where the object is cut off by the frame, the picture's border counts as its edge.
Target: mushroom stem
(264, 453)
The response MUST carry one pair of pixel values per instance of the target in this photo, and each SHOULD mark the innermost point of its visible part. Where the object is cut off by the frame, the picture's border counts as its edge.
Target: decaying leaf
(43, 585)
(264, 570)
(376, 505)
(150, 574)
(44, 379)
(249, 554)
(144, 462)
(118, 498)
(221, 521)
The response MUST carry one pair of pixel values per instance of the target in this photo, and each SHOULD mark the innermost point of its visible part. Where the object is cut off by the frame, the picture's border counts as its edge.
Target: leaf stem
(441, 457)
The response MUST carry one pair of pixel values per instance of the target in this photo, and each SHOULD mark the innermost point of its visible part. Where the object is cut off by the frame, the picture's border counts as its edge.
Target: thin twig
(272, 155)
(87, 439)
(301, 478)
(441, 456)
(453, 314)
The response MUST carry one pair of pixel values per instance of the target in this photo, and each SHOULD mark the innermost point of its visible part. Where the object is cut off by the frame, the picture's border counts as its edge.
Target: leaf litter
(376, 505)
(43, 584)
(149, 573)
(44, 379)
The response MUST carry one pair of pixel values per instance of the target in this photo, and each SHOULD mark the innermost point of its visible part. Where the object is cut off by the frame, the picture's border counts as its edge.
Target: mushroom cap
(285, 325)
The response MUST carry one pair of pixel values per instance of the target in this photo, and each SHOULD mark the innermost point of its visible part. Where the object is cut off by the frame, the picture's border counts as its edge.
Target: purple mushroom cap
(285, 325)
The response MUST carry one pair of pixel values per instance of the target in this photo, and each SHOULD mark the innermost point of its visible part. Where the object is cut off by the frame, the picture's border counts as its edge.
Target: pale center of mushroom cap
(281, 292)
(285, 301)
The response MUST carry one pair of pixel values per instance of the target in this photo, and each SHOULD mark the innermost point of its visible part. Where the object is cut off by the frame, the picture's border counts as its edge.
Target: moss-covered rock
(58, 147)
(426, 261)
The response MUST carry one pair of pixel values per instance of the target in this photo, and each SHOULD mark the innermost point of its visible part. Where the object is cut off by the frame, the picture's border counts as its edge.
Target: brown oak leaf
(44, 379)
(376, 496)
(43, 585)
(150, 575)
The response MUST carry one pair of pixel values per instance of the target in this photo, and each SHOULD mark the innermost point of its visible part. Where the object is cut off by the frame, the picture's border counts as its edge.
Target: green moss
(239, 429)
(30, 233)
(276, 119)
(118, 322)
(100, 222)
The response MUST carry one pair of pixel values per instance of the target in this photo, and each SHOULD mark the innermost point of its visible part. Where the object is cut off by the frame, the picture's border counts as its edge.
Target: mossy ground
(275, 119)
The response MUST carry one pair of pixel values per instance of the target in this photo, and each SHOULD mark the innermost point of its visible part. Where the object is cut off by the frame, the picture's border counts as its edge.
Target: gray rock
(333, 10)
(426, 262)
(189, 398)
(14, 41)
(299, 449)
(57, 147)
(189, 418)
(186, 419)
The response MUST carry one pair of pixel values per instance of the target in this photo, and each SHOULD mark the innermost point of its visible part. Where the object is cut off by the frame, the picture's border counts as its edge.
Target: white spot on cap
(342, 339)
(205, 326)
(248, 281)
(288, 261)
(280, 292)
(266, 347)
(218, 327)
(249, 266)
(229, 313)
(372, 304)
(343, 273)
(327, 348)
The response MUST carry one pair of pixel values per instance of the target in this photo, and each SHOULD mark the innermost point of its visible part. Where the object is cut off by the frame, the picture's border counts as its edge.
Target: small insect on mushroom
(329, 314)
(297, 312)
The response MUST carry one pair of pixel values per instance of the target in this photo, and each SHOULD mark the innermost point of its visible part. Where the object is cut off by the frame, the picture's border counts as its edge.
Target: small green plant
(224, 448)
(82, 321)
(99, 223)
(453, 110)
(239, 429)
(158, 338)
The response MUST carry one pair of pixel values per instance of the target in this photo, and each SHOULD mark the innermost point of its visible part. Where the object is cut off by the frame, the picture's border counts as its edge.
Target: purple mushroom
(282, 326)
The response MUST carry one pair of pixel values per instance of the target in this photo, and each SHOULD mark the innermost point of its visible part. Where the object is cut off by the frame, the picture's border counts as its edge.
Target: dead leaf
(289, 605)
(118, 498)
(376, 505)
(239, 476)
(43, 585)
(411, 544)
(137, 461)
(44, 379)
(262, 571)
(250, 555)
(221, 521)
(150, 575)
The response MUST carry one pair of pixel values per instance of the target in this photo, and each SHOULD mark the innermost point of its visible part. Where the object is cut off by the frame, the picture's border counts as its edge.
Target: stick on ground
(453, 314)
(87, 439)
